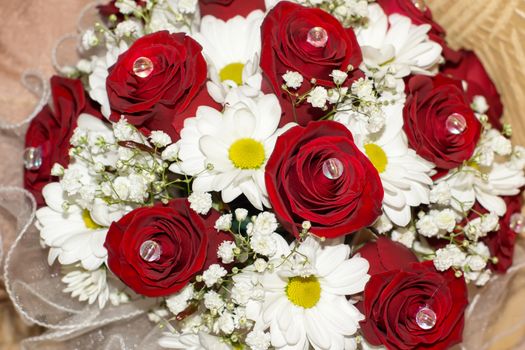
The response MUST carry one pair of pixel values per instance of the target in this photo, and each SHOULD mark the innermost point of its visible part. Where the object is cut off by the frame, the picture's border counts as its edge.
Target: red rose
(439, 123)
(287, 45)
(167, 86)
(226, 9)
(419, 13)
(395, 299)
(49, 132)
(470, 69)
(385, 255)
(156, 251)
(317, 173)
(501, 243)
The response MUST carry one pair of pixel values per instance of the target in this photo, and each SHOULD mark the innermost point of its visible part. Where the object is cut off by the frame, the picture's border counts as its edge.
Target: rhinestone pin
(421, 5)
(333, 168)
(456, 123)
(517, 223)
(143, 67)
(33, 158)
(426, 318)
(150, 251)
(317, 36)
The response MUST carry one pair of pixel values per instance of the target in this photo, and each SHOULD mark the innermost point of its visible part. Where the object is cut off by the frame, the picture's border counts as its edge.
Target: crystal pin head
(426, 318)
(333, 168)
(142, 67)
(150, 251)
(317, 36)
(456, 123)
(421, 5)
(33, 158)
(517, 223)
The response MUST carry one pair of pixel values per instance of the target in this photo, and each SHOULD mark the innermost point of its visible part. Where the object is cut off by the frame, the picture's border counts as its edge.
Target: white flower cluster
(436, 222)
(112, 170)
(234, 309)
(351, 13)
(471, 264)
(227, 297)
(115, 166)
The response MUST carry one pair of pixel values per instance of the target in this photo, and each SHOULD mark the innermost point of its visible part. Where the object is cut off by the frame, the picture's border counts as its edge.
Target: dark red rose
(439, 122)
(385, 255)
(393, 299)
(419, 13)
(186, 241)
(226, 9)
(163, 96)
(286, 47)
(51, 130)
(317, 173)
(501, 243)
(470, 69)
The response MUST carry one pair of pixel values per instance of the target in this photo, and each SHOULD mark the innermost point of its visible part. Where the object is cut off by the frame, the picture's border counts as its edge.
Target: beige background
(495, 28)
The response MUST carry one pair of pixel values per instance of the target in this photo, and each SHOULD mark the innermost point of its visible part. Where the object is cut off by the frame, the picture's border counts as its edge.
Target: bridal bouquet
(308, 174)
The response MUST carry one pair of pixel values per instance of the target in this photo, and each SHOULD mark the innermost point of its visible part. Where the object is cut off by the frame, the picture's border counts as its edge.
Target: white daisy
(488, 175)
(86, 285)
(228, 151)
(485, 185)
(405, 175)
(232, 50)
(306, 301)
(72, 235)
(393, 45)
(97, 79)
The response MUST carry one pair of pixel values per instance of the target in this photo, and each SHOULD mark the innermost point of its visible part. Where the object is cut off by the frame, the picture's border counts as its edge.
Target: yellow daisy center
(233, 71)
(304, 291)
(473, 164)
(88, 221)
(247, 154)
(377, 156)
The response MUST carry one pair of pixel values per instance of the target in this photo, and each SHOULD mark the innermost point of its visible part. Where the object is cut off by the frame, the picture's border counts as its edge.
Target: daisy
(306, 296)
(393, 45)
(232, 50)
(405, 175)
(88, 286)
(485, 185)
(71, 234)
(491, 172)
(97, 79)
(227, 151)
